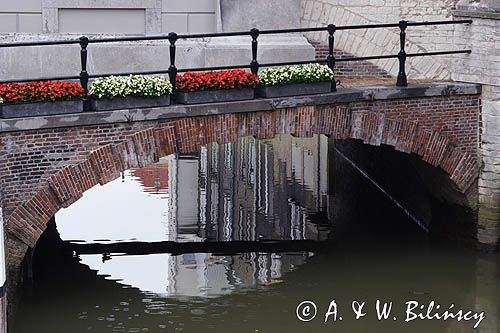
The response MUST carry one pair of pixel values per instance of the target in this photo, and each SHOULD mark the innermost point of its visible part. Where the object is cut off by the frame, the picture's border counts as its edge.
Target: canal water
(273, 223)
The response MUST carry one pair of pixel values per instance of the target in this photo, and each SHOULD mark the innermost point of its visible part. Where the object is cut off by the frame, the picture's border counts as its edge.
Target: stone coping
(348, 95)
(477, 13)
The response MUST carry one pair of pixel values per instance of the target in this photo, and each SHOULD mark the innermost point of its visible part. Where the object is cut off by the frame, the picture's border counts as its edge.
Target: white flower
(309, 73)
(1, 100)
(137, 85)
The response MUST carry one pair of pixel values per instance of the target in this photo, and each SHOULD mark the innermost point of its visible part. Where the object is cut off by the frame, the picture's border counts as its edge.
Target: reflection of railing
(177, 248)
(254, 64)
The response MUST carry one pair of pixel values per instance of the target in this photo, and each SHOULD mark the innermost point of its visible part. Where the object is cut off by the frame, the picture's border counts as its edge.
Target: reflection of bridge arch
(187, 135)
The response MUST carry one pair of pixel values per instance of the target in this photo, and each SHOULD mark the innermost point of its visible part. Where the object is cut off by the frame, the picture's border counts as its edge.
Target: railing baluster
(254, 65)
(330, 60)
(402, 79)
(172, 70)
(84, 75)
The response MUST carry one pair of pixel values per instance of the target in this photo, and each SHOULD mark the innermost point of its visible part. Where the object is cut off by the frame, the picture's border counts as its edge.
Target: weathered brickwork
(442, 130)
(28, 157)
(458, 120)
(355, 69)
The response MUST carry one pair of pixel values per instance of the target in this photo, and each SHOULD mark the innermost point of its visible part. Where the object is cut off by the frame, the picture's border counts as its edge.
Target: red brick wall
(455, 117)
(351, 69)
(42, 171)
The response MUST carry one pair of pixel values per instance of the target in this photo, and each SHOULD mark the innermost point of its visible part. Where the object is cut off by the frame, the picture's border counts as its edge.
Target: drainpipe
(218, 15)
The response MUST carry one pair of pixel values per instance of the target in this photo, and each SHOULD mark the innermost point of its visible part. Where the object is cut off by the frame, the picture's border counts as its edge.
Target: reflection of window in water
(188, 259)
(228, 219)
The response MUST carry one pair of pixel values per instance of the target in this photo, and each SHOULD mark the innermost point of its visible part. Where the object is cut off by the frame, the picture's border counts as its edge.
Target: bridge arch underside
(68, 180)
(425, 194)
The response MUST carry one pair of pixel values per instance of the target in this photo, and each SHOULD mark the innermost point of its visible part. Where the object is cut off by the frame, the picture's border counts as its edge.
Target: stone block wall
(68, 19)
(489, 181)
(105, 16)
(386, 40)
(483, 37)
(483, 66)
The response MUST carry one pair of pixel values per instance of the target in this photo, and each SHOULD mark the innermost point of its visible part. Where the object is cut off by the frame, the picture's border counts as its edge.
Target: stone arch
(147, 146)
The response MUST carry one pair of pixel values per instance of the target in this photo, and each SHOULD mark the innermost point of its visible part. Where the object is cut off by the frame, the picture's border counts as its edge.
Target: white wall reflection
(119, 211)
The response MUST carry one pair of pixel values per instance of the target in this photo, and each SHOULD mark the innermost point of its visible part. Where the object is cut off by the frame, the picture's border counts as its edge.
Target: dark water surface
(285, 189)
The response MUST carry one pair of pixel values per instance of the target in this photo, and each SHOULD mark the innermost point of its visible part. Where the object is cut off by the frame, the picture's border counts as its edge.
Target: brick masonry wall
(26, 158)
(42, 171)
(355, 69)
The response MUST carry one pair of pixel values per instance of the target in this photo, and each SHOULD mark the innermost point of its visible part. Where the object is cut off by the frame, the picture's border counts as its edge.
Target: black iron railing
(254, 65)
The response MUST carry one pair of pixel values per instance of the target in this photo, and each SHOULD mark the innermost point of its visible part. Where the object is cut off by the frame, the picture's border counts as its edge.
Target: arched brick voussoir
(145, 145)
(334, 121)
(166, 140)
(400, 134)
(29, 220)
(66, 185)
(25, 225)
(190, 133)
(104, 164)
(227, 126)
(367, 126)
(261, 125)
(466, 172)
(407, 136)
(306, 124)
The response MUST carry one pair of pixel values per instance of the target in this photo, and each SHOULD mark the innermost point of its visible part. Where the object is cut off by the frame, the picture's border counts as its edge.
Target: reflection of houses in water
(248, 190)
(153, 178)
(201, 274)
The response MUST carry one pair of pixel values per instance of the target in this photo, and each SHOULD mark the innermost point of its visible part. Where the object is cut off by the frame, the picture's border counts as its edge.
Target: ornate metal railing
(254, 65)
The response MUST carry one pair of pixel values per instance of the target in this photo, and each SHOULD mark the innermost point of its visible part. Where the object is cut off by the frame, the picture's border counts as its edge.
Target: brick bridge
(48, 162)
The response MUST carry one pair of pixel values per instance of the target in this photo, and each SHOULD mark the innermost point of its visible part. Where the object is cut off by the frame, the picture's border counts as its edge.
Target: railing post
(402, 80)
(172, 70)
(254, 65)
(330, 60)
(84, 75)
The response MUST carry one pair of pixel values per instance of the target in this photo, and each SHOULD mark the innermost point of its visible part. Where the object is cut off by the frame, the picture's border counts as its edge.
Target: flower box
(214, 96)
(213, 87)
(294, 80)
(129, 102)
(129, 92)
(294, 89)
(40, 98)
(40, 109)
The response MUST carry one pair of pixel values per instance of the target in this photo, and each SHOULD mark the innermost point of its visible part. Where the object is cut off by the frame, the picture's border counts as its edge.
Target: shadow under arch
(423, 193)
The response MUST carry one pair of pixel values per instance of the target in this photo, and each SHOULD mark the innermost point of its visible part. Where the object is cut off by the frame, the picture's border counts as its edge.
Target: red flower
(230, 79)
(40, 91)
